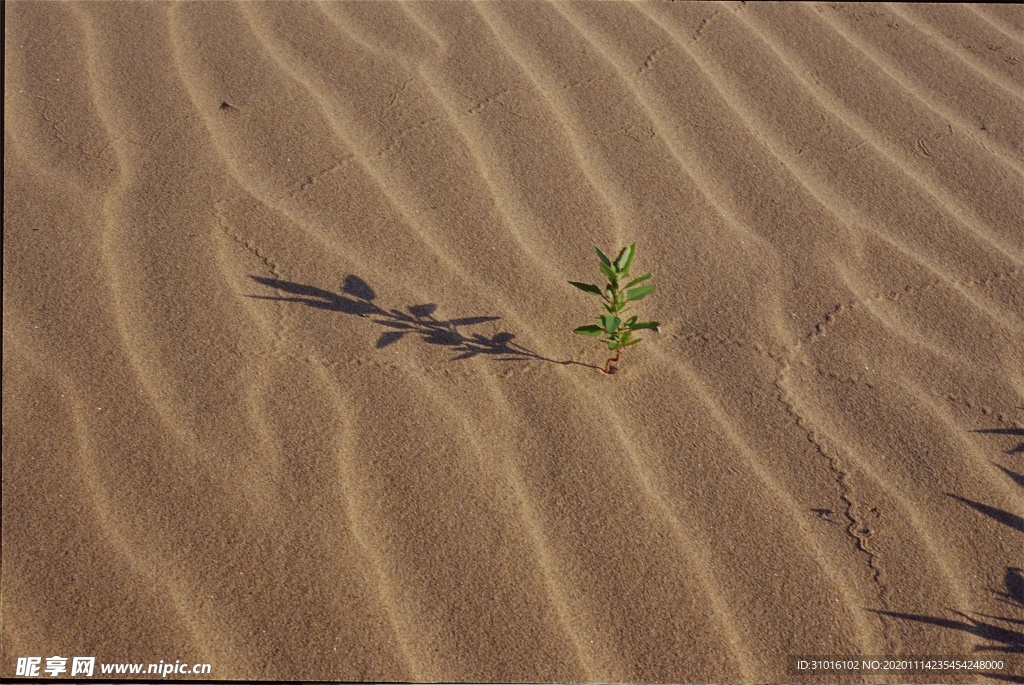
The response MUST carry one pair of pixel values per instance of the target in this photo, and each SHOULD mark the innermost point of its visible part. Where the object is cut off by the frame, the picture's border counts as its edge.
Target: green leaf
(639, 293)
(644, 324)
(587, 288)
(604, 259)
(623, 257)
(589, 330)
(614, 345)
(610, 323)
(638, 280)
(632, 320)
(632, 342)
(629, 260)
(612, 276)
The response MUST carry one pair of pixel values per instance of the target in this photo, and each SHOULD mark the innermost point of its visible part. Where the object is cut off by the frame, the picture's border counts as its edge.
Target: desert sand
(290, 385)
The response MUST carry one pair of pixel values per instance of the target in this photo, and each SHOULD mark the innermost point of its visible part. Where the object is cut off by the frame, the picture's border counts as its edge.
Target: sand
(289, 379)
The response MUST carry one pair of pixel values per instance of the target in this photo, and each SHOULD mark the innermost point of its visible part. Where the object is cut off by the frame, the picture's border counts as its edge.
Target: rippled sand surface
(289, 382)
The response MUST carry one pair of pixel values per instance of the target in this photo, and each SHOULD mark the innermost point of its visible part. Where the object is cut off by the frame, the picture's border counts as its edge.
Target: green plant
(616, 332)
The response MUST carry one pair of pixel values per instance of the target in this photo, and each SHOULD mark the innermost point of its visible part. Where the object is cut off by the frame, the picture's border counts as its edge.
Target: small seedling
(616, 332)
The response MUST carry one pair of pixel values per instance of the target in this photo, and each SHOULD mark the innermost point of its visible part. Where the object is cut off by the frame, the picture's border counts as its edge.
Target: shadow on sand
(1003, 634)
(1006, 431)
(356, 298)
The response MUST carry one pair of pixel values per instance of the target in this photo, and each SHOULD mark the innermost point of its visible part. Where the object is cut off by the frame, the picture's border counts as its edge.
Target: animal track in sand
(57, 126)
(861, 518)
(650, 60)
(634, 131)
(856, 528)
(280, 328)
(312, 178)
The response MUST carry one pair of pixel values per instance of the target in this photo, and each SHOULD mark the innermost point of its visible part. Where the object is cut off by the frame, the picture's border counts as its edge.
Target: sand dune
(290, 386)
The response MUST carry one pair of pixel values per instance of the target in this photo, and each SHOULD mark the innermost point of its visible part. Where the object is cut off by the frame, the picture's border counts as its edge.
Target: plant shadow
(1003, 634)
(357, 298)
(1006, 431)
(1002, 639)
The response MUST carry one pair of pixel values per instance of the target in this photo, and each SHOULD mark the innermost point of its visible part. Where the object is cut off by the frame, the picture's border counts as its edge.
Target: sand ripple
(289, 384)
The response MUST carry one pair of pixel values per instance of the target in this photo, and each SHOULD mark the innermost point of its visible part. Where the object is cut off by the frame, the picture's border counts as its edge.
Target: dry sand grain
(289, 383)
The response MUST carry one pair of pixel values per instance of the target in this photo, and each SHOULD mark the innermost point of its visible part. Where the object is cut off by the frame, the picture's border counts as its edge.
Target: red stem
(608, 364)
